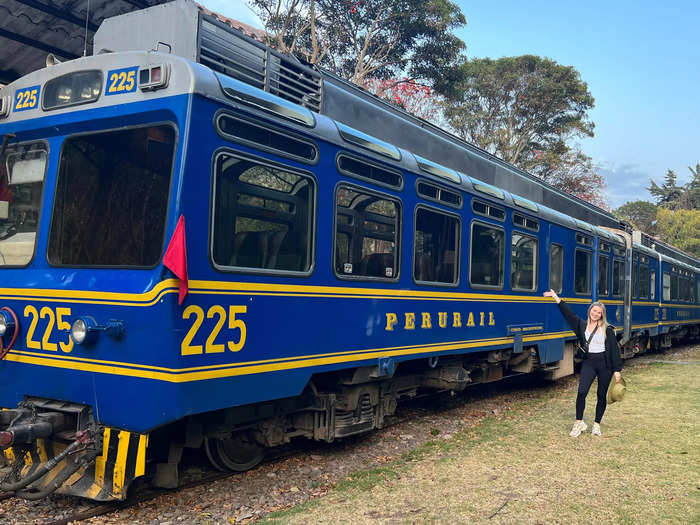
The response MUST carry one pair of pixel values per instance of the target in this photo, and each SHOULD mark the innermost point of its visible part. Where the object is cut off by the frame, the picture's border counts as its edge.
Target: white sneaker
(596, 430)
(579, 426)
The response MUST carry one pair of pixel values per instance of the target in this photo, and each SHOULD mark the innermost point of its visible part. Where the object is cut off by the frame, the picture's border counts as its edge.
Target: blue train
(190, 259)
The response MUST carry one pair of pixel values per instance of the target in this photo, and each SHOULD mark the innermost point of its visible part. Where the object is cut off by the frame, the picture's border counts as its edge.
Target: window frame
(590, 271)
(47, 147)
(664, 288)
(399, 233)
(357, 158)
(536, 266)
(471, 241)
(222, 113)
(605, 256)
(440, 188)
(311, 234)
(561, 265)
(639, 287)
(458, 255)
(176, 148)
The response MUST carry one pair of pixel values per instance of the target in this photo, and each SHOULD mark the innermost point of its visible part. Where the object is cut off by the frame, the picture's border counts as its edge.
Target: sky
(640, 59)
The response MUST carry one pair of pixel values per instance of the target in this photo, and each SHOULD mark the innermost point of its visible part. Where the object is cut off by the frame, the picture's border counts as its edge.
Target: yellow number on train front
(219, 313)
(186, 348)
(55, 319)
(30, 310)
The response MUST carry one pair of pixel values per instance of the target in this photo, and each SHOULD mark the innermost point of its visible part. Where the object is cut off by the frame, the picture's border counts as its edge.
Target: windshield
(22, 171)
(112, 198)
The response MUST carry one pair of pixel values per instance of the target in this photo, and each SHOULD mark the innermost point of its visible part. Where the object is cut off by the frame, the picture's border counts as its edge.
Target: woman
(602, 359)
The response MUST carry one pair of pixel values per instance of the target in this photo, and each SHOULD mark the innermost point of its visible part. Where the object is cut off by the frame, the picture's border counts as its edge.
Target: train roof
(188, 77)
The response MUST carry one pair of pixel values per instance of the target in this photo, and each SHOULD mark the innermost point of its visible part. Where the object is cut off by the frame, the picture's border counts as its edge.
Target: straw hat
(616, 391)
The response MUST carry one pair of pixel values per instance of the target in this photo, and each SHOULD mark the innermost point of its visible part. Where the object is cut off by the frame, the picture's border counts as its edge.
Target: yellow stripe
(120, 464)
(678, 321)
(82, 296)
(93, 491)
(101, 460)
(257, 367)
(41, 450)
(638, 326)
(170, 286)
(141, 456)
(74, 478)
(51, 475)
(669, 305)
(645, 303)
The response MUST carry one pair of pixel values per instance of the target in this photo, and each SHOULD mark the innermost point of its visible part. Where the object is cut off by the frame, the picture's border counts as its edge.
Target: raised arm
(574, 321)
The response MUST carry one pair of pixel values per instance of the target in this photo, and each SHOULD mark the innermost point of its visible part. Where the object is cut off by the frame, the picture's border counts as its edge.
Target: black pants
(594, 365)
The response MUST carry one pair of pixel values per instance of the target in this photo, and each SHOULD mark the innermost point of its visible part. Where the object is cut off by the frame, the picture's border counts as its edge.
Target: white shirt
(597, 344)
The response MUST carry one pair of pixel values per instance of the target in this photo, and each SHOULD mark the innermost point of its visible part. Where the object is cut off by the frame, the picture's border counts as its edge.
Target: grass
(522, 467)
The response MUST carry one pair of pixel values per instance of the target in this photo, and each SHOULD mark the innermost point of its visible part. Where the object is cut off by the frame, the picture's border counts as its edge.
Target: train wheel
(237, 453)
(213, 455)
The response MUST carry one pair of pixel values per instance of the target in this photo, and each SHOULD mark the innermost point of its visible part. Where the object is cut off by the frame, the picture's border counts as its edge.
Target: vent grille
(227, 51)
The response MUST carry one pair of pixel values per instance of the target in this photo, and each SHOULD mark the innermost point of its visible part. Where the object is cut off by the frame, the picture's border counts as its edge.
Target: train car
(188, 260)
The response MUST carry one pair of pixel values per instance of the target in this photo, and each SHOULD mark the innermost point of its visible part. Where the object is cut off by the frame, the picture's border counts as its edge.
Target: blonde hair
(603, 321)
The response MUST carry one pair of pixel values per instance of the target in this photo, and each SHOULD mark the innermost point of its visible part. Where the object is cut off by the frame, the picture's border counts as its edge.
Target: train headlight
(84, 331)
(7, 323)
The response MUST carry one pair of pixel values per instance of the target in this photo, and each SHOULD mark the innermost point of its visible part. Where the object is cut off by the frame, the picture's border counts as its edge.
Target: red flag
(176, 257)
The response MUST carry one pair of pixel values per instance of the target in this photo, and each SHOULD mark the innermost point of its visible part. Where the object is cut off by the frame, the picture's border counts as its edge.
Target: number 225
(218, 312)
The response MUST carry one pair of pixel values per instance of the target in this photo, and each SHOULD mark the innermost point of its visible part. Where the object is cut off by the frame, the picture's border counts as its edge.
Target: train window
(369, 171)
(652, 288)
(481, 208)
(22, 170)
(439, 194)
(618, 250)
(604, 247)
(667, 286)
(366, 238)
(486, 265)
(556, 267)
(523, 262)
(112, 197)
(674, 287)
(643, 281)
(584, 239)
(618, 277)
(603, 275)
(635, 279)
(684, 289)
(582, 272)
(263, 216)
(436, 247)
(526, 222)
(267, 138)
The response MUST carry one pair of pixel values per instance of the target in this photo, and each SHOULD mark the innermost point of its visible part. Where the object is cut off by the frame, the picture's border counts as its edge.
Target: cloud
(625, 182)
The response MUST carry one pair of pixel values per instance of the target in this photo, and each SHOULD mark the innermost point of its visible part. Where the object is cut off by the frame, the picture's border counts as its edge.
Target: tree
(526, 110)
(417, 99)
(363, 39)
(641, 214)
(668, 195)
(681, 228)
(674, 197)
(520, 108)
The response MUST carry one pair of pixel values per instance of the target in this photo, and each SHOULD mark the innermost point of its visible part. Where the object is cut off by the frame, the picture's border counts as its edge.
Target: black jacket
(578, 325)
